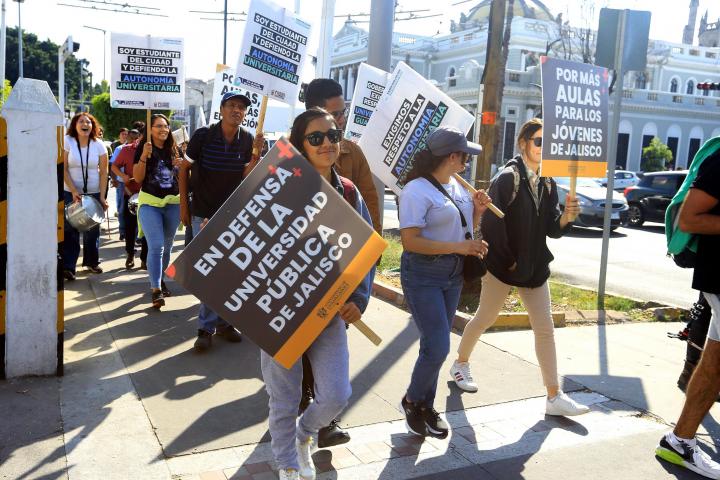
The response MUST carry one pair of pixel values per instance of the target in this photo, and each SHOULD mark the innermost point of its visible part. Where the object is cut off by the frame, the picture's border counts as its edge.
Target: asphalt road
(637, 265)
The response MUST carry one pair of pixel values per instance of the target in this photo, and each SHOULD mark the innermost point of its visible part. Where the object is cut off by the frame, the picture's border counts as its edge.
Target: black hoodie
(520, 236)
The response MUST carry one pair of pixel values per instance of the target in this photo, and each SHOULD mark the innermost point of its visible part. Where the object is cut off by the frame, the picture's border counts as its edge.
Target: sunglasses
(537, 141)
(316, 138)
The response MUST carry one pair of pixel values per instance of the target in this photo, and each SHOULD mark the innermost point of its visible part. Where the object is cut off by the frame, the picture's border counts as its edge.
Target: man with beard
(217, 158)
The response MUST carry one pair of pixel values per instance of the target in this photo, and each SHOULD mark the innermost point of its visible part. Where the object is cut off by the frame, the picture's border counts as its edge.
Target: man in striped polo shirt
(217, 158)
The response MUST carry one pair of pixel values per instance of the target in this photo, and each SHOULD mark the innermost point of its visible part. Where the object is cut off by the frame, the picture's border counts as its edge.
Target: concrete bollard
(31, 223)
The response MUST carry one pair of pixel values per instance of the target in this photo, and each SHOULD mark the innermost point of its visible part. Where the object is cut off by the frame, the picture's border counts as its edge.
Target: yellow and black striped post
(60, 239)
(3, 237)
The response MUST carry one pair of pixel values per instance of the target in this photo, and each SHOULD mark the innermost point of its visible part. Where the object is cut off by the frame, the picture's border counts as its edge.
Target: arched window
(451, 77)
(673, 85)
(690, 88)
(641, 81)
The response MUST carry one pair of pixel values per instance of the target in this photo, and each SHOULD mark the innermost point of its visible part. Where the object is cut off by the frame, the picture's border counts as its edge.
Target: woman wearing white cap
(519, 257)
(437, 220)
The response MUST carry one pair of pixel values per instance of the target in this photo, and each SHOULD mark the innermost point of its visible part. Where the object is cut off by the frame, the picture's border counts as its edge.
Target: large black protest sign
(575, 116)
(281, 256)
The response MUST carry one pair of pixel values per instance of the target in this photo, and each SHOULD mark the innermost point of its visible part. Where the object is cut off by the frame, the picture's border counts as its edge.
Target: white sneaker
(460, 372)
(289, 474)
(687, 454)
(305, 450)
(564, 406)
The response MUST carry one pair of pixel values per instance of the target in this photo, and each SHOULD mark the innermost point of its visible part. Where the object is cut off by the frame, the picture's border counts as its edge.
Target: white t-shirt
(423, 206)
(91, 158)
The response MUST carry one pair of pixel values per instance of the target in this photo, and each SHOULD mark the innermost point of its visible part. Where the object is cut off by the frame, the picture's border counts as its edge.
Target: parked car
(591, 197)
(621, 180)
(649, 198)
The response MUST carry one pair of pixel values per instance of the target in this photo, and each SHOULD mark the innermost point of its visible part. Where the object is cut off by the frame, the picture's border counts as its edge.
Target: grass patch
(563, 296)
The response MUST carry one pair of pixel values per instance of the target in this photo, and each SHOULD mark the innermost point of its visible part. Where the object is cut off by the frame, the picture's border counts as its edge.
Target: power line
(221, 12)
(136, 12)
(230, 19)
(124, 5)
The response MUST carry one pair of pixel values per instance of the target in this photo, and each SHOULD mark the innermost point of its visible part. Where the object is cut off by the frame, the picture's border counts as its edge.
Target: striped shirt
(217, 167)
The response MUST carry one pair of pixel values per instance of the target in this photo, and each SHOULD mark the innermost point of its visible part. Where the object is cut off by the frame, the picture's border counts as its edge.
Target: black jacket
(520, 236)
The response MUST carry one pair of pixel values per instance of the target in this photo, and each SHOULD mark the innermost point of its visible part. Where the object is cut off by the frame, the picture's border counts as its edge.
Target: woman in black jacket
(518, 256)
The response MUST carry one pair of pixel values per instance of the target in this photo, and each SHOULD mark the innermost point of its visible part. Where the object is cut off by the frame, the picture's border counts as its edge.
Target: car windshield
(581, 182)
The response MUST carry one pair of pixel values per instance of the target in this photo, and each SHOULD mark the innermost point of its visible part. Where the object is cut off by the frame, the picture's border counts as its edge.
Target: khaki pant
(536, 301)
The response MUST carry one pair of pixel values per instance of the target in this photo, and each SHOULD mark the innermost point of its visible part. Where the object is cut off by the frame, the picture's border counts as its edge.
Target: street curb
(505, 320)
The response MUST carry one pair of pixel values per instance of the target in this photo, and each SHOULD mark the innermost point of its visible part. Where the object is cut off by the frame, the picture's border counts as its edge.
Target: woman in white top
(437, 219)
(85, 163)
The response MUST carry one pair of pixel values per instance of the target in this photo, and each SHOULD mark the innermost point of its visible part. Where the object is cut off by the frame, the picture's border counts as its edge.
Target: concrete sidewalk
(137, 402)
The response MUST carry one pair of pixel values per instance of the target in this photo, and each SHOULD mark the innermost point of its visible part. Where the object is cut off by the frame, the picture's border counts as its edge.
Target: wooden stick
(367, 331)
(472, 190)
(573, 188)
(147, 125)
(261, 122)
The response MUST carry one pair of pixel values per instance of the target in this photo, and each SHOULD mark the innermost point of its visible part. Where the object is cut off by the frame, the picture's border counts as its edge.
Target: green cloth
(145, 198)
(677, 240)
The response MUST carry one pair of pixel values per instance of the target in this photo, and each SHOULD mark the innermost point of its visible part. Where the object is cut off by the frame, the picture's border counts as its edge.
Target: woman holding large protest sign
(316, 136)
(156, 166)
(518, 257)
(437, 220)
(85, 163)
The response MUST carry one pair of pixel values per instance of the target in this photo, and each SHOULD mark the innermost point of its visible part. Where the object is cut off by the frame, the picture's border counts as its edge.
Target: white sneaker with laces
(564, 406)
(305, 450)
(687, 453)
(289, 474)
(460, 372)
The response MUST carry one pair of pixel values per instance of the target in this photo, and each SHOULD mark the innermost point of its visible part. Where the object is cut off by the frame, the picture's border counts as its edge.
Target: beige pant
(537, 303)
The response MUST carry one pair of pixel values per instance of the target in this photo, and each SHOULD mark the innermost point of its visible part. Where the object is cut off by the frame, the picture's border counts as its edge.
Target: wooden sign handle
(367, 331)
(472, 190)
(573, 188)
(147, 125)
(261, 122)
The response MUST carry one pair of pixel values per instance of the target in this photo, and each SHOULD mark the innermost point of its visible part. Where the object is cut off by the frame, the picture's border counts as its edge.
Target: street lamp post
(20, 41)
(104, 45)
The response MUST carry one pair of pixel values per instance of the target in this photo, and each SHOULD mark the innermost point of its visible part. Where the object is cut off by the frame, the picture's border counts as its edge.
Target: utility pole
(2, 51)
(20, 41)
(492, 97)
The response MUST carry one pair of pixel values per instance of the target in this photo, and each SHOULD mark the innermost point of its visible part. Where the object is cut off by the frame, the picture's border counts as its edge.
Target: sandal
(95, 269)
(157, 299)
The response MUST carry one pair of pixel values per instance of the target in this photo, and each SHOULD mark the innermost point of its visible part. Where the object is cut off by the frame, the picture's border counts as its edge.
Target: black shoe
(305, 401)
(68, 275)
(157, 299)
(413, 417)
(95, 269)
(165, 291)
(229, 333)
(122, 237)
(332, 435)
(435, 425)
(203, 341)
(143, 266)
(130, 262)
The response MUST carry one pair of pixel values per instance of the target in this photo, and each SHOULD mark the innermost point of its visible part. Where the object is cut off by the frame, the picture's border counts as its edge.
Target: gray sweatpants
(329, 358)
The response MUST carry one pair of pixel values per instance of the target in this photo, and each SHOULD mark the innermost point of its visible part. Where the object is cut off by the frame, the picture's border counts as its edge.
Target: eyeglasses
(339, 114)
(161, 127)
(537, 141)
(316, 138)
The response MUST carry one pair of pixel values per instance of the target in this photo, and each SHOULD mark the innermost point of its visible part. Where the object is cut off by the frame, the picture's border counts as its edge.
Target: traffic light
(70, 46)
(708, 86)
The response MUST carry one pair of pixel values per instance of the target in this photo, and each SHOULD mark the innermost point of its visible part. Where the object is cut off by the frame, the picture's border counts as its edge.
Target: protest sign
(409, 109)
(575, 115)
(273, 52)
(147, 72)
(180, 136)
(369, 87)
(281, 256)
(224, 82)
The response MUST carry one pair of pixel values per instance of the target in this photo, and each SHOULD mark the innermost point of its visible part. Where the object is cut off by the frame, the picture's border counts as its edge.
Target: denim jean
(208, 320)
(330, 361)
(432, 285)
(71, 242)
(159, 226)
(119, 196)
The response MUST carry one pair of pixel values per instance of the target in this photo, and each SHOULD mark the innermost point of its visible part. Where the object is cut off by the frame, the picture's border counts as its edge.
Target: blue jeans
(159, 226)
(330, 361)
(119, 196)
(432, 285)
(71, 242)
(208, 320)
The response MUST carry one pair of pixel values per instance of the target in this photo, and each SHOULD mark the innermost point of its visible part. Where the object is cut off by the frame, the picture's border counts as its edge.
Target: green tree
(656, 156)
(113, 119)
(5, 92)
(40, 61)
